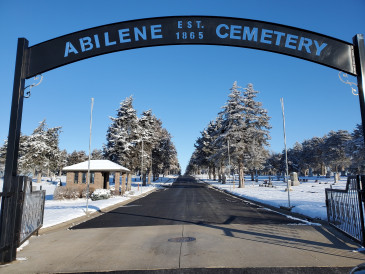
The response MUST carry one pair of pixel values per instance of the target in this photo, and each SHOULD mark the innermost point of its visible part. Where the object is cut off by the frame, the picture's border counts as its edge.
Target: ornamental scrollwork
(347, 82)
(27, 94)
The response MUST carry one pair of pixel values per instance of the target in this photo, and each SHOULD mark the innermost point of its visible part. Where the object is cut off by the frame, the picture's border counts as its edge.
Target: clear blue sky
(185, 86)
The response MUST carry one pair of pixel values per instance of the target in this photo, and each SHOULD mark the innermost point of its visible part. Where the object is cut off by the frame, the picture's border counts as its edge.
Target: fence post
(360, 180)
(19, 211)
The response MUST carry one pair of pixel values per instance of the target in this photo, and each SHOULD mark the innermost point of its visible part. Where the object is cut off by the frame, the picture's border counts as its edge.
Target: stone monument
(294, 179)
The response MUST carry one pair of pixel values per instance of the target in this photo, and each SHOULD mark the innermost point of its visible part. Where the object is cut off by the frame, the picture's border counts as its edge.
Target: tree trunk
(241, 176)
(219, 174)
(323, 169)
(214, 174)
(155, 177)
(252, 176)
(149, 176)
(144, 179)
(209, 173)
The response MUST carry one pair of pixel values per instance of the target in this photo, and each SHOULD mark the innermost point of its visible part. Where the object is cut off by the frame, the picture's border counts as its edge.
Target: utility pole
(88, 164)
(142, 165)
(286, 153)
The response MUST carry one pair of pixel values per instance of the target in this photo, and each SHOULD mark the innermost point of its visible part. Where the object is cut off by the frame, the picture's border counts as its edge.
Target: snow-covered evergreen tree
(273, 163)
(97, 154)
(233, 130)
(22, 166)
(40, 150)
(335, 150)
(123, 136)
(240, 135)
(295, 158)
(313, 154)
(256, 131)
(150, 134)
(61, 160)
(165, 156)
(124, 142)
(356, 150)
(76, 157)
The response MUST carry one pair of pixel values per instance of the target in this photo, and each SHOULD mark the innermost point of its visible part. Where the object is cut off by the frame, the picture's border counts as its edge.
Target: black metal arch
(190, 30)
(176, 30)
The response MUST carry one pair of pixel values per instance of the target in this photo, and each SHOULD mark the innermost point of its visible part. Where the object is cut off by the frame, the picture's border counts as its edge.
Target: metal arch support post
(8, 214)
(359, 52)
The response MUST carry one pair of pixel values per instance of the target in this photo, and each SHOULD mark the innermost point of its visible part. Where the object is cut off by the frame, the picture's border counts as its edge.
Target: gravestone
(337, 177)
(294, 179)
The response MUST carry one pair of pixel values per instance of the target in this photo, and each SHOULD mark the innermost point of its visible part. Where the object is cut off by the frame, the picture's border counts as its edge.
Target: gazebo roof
(97, 165)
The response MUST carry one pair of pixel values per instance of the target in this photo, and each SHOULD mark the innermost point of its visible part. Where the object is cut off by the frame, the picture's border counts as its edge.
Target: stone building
(100, 171)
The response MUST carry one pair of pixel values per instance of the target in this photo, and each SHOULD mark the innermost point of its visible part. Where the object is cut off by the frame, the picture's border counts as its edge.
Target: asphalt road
(187, 202)
(189, 228)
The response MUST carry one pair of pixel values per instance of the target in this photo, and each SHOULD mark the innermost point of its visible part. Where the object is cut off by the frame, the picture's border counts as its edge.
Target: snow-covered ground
(59, 211)
(308, 198)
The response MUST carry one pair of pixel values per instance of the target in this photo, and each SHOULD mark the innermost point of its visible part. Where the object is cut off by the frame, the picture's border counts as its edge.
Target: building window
(76, 178)
(84, 178)
(92, 177)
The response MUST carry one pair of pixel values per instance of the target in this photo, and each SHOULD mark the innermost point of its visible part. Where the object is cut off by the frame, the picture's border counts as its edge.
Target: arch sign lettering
(163, 31)
(201, 30)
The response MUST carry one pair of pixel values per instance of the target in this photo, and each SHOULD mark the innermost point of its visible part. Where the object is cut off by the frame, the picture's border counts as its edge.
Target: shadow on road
(189, 203)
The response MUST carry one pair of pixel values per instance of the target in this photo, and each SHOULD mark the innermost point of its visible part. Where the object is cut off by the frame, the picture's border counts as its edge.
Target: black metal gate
(29, 211)
(345, 208)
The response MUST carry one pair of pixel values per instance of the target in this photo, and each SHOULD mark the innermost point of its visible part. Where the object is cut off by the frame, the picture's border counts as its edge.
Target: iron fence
(345, 209)
(32, 211)
(28, 207)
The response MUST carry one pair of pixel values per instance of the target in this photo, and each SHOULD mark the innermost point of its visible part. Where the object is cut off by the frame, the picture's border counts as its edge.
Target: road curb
(93, 215)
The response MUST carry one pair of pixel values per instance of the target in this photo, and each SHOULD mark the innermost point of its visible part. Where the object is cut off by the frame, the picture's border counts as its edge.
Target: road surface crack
(182, 235)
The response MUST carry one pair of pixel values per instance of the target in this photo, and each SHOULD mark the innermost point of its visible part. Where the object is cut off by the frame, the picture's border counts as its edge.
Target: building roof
(97, 165)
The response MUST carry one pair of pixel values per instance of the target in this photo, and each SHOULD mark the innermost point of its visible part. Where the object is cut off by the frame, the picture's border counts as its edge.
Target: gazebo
(100, 171)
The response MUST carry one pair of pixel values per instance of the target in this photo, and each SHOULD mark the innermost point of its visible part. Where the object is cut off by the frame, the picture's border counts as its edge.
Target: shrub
(83, 192)
(100, 194)
(65, 192)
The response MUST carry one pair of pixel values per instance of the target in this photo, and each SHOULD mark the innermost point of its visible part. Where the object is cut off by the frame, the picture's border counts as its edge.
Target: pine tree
(97, 154)
(356, 150)
(123, 136)
(314, 155)
(40, 150)
(256, 131)
(232, 130)
(335, 149)
(295, 158)
(165, 156)
(150, 133)
(61, 161)
(76, 157)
